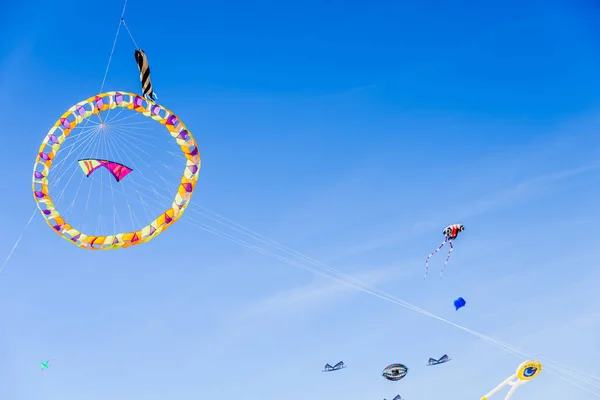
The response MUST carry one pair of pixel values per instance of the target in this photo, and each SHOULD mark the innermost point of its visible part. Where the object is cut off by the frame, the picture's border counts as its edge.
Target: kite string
(110, 58)
(113, 47)
(365, 288)
(18, 240)
(255, 235)
(129, 32)
(574, 383)
(371, 290)
(355, 283)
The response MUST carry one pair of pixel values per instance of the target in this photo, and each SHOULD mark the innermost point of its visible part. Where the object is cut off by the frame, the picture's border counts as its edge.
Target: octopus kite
(450, 233)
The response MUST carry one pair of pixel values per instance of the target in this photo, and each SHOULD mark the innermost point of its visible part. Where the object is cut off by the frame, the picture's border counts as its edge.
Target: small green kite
(45, 365)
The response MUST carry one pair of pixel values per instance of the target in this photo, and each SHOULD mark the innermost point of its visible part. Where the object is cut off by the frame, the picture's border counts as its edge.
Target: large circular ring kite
(61, 130)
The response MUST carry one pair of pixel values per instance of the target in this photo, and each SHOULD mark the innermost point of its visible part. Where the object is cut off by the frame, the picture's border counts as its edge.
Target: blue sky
(352, 133)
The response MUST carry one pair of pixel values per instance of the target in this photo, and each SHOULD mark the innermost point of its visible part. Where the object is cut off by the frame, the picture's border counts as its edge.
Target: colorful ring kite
(61, 130)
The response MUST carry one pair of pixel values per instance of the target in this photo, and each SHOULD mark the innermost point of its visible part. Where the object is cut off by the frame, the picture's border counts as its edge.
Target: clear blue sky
(352, 133)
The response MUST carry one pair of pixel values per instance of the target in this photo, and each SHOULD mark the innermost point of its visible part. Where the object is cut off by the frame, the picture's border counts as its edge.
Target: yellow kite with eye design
(526, 371)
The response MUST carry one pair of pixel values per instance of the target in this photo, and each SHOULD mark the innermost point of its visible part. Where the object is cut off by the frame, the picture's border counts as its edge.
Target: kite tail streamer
(431, 254)
(447, 258)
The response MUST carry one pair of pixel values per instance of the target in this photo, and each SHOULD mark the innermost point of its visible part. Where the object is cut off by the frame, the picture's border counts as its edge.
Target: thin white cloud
(507, 197)
(316, 293)
(523, 191)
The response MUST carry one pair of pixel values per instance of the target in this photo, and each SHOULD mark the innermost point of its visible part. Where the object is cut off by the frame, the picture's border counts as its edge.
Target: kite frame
(61, 130)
